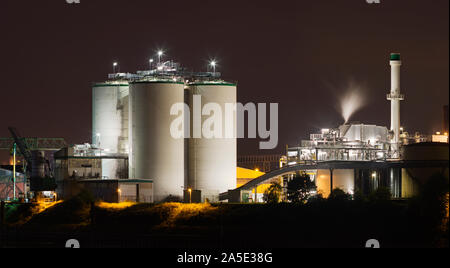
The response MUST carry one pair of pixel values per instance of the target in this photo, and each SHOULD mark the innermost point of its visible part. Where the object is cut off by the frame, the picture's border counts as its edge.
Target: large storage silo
(110, 122)
(212, 162)
(110, 116)
(154, 154)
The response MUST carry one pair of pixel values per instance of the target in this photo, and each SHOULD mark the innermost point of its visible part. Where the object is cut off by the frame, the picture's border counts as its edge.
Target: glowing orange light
(184, 211)
(43, 206)
(121, 205)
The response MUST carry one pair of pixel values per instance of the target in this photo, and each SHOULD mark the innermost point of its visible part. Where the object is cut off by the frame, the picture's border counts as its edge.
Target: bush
(299, 189)
(359, 196)
(339, 195)
(382, 194)
(316, 199)
(172, 199)
(273, 194)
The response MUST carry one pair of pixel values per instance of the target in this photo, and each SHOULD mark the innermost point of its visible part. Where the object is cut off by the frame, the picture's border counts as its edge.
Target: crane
(37, 183)
(23, 147)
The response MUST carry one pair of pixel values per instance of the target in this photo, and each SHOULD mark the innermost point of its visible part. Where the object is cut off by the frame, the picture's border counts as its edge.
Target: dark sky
(300, 54)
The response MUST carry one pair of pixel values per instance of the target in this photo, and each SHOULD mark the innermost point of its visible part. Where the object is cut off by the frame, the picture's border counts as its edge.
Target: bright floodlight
(151, 63)
(114, 66)
(213, 64)
(160, 53)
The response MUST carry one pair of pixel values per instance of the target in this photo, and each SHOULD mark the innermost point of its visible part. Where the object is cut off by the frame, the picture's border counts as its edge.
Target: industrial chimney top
(395, 57)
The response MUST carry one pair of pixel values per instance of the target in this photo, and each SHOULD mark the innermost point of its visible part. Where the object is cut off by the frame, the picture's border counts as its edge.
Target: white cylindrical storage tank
(110, 122)
(154, 153)
(110, 116)
(212, 161)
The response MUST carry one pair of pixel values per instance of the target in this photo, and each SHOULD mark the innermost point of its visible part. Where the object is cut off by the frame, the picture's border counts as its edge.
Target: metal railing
(395, 96)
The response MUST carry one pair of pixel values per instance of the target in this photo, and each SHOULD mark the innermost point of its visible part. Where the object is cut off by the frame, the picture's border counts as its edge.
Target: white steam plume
(352, 100)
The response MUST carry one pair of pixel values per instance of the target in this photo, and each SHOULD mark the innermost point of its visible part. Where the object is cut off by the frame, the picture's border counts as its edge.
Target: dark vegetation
(299, 189)
(273, 194)
(339, 221)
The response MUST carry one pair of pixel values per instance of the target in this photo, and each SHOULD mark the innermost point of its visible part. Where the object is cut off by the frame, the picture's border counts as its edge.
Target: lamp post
(213, 65)
(160, 53)
(14, 171)
(190, 196)
(375, 180)
(98, 139)
(115, 64)
(151, 64)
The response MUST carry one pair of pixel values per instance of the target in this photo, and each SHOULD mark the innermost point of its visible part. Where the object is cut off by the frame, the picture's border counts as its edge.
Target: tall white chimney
(395, 97)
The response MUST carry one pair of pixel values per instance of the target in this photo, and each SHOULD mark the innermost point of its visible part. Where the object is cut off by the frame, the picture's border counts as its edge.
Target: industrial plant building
(358, 157)
(133, 155)
(131, 130)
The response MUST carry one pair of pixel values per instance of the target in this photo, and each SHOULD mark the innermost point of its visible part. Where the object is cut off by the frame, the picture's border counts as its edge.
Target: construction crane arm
(22, 145)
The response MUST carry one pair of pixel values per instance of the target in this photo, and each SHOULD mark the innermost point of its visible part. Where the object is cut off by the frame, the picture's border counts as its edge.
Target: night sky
(300, 54)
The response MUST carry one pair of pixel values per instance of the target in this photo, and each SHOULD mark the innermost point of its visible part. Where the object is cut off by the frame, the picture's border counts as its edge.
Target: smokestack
(395, 97)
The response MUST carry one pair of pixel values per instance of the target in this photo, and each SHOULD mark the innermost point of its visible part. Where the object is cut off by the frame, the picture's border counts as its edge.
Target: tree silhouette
(339, 195)
(273, 193)
(299, 189)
